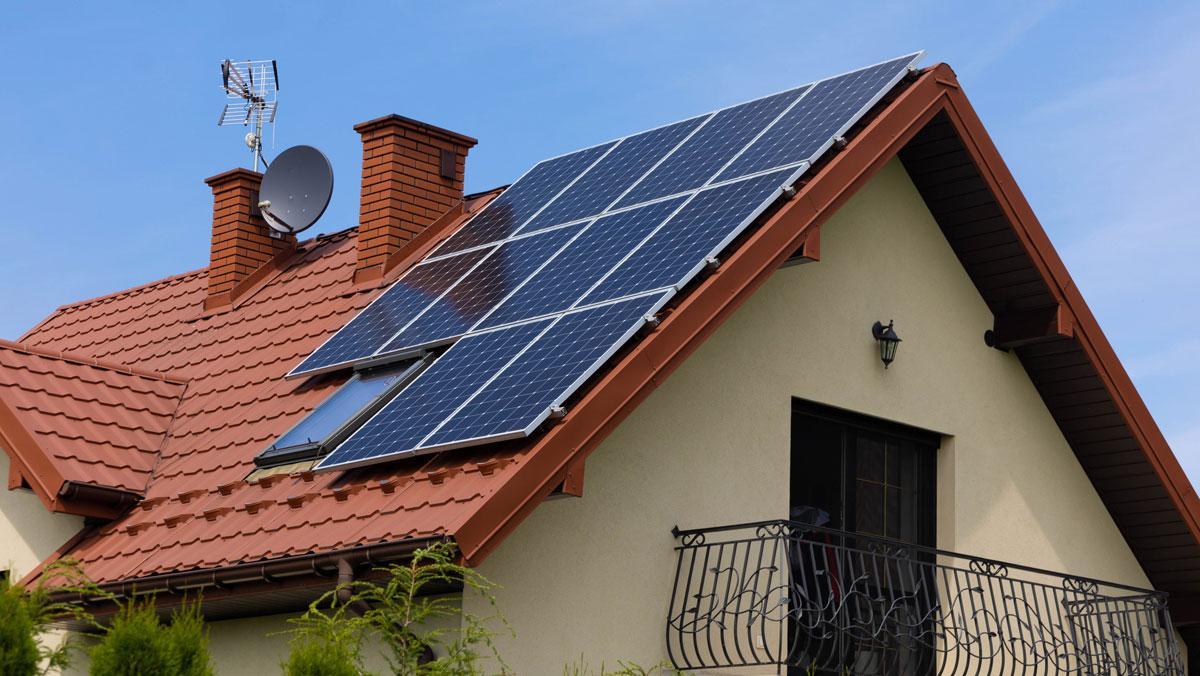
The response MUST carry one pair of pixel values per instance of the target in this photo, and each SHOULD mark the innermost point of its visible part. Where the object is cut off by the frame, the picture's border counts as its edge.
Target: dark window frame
(852, 424)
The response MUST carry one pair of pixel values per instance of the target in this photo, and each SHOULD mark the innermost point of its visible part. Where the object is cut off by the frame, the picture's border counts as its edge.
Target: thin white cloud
(1023, 20)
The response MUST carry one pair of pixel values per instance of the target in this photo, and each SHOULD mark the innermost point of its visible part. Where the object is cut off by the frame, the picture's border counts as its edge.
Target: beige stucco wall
(28, 532)
(592, 575)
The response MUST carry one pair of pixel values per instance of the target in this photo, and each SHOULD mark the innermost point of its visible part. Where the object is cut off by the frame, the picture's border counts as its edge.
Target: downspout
(345, 589)
(345, 596)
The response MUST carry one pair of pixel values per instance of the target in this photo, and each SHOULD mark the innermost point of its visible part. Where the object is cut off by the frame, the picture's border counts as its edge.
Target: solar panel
(479, 291)
(508, 212)
(495, 385)
(643, 213)
(546, 374)
(717, 142)
(389, 313)
(810, 126)
(582, 263)
(702, 228)
(613, 175)
(398, 428)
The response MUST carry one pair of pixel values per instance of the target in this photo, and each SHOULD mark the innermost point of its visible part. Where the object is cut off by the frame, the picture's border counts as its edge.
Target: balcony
(822, 601)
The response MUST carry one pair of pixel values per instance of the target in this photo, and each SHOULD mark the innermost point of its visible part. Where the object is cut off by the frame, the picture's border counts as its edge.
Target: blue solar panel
(582, 290)
(700, 229)
(557, 286)
(390, 312)
(399, 427)
(613, 175)
(710, 148)
(809, 127)
(546, 374)
(505, 215)
(480, 290)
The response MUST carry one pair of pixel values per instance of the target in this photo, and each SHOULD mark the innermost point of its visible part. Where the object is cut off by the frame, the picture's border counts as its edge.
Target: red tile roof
(199, 510)
(88, 421)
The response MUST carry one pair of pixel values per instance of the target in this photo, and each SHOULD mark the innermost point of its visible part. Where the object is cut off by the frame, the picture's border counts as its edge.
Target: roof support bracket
(1027, 327)
(810, 248)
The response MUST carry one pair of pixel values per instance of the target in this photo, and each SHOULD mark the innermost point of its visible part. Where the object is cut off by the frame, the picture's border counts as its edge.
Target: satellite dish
(296, 189)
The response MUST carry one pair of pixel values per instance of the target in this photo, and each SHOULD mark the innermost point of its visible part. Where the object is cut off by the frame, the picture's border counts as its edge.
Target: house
(743, 482)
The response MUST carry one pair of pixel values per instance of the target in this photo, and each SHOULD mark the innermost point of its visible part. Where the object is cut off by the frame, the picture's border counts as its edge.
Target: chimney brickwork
(241, 240)
(412, 174)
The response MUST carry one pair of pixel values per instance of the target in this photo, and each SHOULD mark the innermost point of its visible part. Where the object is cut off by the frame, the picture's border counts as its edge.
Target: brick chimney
(242, 242)
(412, 174)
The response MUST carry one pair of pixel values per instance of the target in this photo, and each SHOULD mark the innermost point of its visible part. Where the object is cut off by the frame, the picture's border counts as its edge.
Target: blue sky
(108, 123)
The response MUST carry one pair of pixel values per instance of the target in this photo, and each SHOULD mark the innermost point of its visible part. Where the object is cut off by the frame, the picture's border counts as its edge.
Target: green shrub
(133, 644)
(313, 656)
(137, 643)
(19, 654)
(27, 615)
(399, 611)
(187, 639)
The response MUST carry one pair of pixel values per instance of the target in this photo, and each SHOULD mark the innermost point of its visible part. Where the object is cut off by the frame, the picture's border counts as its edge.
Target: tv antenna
(254, 88)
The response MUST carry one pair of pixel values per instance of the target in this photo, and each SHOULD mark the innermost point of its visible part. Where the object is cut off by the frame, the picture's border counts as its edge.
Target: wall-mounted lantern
(888, 341)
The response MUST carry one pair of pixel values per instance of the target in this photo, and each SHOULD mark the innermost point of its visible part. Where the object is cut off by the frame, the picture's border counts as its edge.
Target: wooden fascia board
(684, 329)
(1091, 338)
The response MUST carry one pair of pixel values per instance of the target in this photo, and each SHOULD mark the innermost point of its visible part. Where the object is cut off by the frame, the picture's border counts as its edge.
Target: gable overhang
(1040, 314)
(30, 466)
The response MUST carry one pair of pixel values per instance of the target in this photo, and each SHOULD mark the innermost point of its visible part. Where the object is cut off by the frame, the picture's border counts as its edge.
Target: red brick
(402, 191)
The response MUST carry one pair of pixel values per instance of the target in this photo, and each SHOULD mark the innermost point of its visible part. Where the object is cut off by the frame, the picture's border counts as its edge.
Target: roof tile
(96, 423)
(200, 512)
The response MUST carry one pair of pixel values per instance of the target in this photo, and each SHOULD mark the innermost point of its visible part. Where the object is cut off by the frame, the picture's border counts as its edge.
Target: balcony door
(861, 603)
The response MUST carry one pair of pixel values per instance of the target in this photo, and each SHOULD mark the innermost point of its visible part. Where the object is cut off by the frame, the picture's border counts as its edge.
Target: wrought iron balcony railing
(823, 601)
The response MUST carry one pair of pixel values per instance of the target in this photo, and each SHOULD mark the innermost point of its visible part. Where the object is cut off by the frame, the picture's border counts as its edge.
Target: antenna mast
(254, 88)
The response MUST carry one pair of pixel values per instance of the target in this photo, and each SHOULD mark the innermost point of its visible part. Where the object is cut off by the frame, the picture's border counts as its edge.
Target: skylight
(339, 415)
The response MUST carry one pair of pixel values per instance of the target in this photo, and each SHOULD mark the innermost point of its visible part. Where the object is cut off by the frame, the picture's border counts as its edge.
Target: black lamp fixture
(888, 341)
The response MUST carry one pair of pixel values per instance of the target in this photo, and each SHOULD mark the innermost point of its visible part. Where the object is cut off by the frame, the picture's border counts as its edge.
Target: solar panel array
(556, 274)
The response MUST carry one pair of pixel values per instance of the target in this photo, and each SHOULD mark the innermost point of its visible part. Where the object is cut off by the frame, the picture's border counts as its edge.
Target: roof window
(340, 415)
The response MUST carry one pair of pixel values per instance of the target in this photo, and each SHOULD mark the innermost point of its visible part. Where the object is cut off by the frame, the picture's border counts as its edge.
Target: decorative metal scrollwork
(831, 602)
(1080, 585)
(989, 568)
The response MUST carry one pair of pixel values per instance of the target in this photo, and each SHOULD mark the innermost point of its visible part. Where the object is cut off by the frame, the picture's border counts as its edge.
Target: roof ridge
(133, 289)
(89, 361)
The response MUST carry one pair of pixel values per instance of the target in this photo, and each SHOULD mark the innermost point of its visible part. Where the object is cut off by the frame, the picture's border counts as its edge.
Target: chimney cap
(409, 123)
(233, 175)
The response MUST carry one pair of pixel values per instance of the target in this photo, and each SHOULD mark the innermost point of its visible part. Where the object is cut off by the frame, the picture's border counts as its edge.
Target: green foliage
(28, 614)
(19, 654)
(314, 656)
(325, 644)
(624, 668)
(187, 641)
(138, 643)
(135, 643)
(398, 609)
